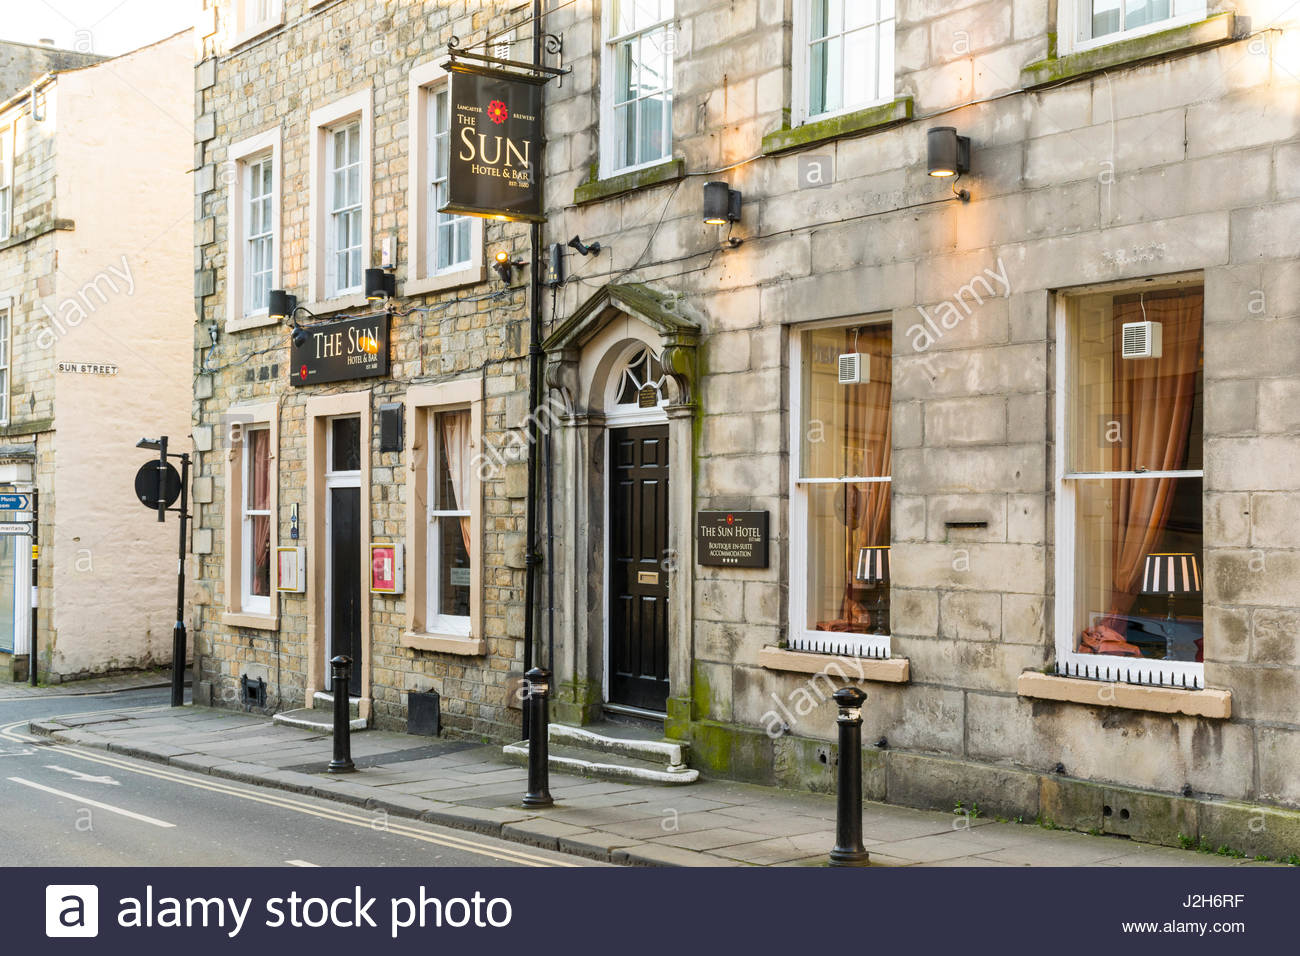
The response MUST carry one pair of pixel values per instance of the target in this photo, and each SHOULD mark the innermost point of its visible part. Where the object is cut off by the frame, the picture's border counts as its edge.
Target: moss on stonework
(576, 702)
(595, 189)
(677, 721)
(731, 751)
(848, 124)
(1185, 39)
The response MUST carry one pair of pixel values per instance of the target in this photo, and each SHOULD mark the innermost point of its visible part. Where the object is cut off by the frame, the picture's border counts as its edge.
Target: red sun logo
(302, 372)
(497, 112)
(731, 519)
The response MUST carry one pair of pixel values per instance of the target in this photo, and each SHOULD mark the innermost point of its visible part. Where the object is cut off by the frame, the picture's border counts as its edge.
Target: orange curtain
(1158, 397)
(259, 499)
(868, 447)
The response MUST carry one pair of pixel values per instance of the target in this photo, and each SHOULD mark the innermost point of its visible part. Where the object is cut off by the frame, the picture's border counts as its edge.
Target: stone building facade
(22, 63)
(1021, 437)
(93, 196)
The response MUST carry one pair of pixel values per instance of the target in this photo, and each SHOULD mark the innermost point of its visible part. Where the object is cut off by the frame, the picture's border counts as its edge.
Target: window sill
(342, 303)
(894, 670)
(261, 622)
(445, 644)
(257, 320)
(256, 30)
(1220, 28)
(838, 127)
(448, 280)
(597, 189)
(1209, 703)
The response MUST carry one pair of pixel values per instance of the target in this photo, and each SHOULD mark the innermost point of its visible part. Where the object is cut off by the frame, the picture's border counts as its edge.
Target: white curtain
(455, 443)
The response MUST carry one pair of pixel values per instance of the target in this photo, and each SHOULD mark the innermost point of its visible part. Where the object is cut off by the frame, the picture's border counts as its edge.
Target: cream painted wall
(123, 160)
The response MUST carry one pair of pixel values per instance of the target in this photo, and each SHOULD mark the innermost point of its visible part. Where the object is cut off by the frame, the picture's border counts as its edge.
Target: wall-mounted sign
(291, 564)
(88, 368)
(15, 502)
(386, 569)
(735, 539)
(496, 143)
(338, 351)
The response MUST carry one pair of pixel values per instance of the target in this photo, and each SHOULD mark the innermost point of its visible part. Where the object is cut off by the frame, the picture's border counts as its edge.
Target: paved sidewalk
(161, 677)
(469, 785)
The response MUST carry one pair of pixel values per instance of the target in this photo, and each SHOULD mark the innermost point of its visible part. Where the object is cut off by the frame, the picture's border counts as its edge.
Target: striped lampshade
(873, 564)
(1171, 574)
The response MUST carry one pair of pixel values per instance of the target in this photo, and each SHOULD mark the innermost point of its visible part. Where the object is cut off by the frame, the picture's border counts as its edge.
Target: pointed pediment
(661, 311)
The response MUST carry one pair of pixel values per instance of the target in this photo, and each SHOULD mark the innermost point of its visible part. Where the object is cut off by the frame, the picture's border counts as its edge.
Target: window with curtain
(842, 484)
(256, 557)
(6, 183)
(1108, 20)
(448, 541)
(1132, 482)
(638, 124)
(259, 227)
(5, 315)
(846, 55)
(343, 193)
(449, 235)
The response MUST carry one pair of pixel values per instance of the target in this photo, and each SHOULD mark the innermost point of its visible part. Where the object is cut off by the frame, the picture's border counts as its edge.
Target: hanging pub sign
(495, 143)
(736, 539)
(338, 351)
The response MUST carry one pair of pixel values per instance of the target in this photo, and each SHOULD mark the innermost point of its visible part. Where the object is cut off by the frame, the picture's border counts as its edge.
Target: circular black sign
(146, 484)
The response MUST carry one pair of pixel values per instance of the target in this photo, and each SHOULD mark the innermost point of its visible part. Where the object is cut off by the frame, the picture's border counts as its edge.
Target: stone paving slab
(139, 680)
(711, 823)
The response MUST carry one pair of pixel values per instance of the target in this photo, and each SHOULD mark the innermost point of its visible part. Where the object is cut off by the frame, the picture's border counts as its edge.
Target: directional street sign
(15, 502)
(15, 527)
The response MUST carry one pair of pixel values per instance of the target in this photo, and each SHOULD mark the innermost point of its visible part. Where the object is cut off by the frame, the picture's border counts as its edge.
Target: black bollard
(539, 788)
(341, 673)
(849, 850)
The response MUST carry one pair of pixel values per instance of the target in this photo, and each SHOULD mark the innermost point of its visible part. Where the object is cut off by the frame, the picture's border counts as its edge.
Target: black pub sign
(736, 539)
(495, 143)
(338, 351)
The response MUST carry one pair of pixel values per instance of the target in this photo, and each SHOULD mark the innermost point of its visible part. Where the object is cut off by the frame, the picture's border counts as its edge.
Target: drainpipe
(531, 558)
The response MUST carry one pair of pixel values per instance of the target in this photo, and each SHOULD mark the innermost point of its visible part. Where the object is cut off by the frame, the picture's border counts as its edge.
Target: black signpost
(161, 493)
(734, 539)
(339, 351)
(496, 143)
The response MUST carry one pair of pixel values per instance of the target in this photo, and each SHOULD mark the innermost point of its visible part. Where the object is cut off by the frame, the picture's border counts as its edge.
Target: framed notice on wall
(735, 539)
(495, 144)
(290, 564)
(386, 569)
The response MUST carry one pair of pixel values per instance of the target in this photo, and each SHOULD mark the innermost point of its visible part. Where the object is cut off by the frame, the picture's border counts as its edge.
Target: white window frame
(7, 144)
(1074, 20)
(255, 17)
(241, 608)
(452, 624)
(426, 628)
(241, 312)
(253, 603)
(608, 126)
(885, 64)
(799, 635)
(6, 356)
(425, 80)
(353, 108)
(1069, 662)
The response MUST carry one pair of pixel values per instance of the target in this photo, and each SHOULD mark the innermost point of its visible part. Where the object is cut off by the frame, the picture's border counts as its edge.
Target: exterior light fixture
(280, 304)
(380, 284)
(947, 153)
(298, 336)
(721, 204)
(505, 266)
(582, 248)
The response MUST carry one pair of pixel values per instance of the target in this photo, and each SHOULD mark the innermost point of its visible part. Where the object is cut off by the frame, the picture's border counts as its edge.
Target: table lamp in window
(873, 568)
(1171, 574)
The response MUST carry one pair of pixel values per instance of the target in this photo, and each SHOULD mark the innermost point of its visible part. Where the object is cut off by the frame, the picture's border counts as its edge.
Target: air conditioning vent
(1141, 340)
(855, 368)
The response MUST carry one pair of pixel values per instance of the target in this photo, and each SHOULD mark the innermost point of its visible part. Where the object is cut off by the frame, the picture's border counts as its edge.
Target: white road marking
(302, 863)
(85, 777)
(94, 803)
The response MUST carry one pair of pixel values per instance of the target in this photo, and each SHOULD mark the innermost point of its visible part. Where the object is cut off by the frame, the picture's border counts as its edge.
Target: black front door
(345, 579)
(638, 542)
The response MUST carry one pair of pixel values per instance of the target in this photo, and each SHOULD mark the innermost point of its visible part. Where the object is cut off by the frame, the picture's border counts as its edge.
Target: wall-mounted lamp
(280, 304)
(948, 154)
(298, 336)
(721, 204)
(380, 284)
(505, 266)
(582, 249)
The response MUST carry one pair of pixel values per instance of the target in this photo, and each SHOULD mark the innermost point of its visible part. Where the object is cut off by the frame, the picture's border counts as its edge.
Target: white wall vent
(1142, 340)
(855, 368)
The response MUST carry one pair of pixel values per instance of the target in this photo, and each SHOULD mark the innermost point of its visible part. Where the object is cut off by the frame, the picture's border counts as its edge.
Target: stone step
(324, 700)
(605, 766)
(618, 740)
(320, 721)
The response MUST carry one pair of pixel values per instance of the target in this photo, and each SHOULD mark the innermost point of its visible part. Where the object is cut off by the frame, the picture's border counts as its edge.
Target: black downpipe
(534, 387)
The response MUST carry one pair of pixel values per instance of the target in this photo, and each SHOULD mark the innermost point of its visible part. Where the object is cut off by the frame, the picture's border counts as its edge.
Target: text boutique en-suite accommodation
(949, 353)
